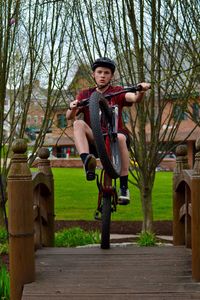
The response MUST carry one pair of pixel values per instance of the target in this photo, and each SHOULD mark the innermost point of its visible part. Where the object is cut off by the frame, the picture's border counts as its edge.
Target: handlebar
(131, 89)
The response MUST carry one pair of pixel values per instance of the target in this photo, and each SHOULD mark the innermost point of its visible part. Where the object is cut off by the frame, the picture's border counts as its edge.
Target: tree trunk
(146, 198)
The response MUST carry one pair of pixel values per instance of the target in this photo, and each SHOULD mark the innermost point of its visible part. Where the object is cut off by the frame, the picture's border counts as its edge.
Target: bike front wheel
(106, 219)
(108, 149)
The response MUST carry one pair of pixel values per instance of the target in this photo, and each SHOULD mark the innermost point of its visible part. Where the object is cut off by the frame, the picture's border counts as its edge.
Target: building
(188, 130)
(60, 141)
(59, 137)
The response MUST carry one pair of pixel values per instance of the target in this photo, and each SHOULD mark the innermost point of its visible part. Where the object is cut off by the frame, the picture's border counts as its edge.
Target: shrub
(4, 283)
(3, 236)
(76, 237)
(3, 248)
(146, 239)
(3, 241)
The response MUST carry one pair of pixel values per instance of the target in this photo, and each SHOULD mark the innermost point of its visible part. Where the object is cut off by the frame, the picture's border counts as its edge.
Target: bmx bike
(107, 146)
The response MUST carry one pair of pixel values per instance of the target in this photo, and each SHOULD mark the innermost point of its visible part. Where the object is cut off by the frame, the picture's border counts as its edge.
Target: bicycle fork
(105, 189)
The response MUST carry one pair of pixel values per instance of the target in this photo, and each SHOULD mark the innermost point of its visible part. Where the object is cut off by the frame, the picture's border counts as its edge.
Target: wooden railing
(186, 206)
(31, 215)
(31, 212)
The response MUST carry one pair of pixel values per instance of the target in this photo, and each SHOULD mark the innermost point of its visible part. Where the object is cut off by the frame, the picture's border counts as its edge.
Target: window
(125, 116)
(61, 121)
(35, 120)
(195, 111)
(29, 119)
(42, 119)
(179, 114)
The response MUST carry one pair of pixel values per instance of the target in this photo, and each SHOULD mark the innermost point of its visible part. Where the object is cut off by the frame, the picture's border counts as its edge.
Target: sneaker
(90, 166)
(124, 196)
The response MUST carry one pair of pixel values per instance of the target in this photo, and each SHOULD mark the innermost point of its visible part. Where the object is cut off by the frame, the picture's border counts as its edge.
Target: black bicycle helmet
(104, 62)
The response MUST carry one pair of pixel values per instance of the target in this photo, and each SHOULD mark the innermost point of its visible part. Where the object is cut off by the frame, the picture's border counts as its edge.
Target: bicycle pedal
(90, 176)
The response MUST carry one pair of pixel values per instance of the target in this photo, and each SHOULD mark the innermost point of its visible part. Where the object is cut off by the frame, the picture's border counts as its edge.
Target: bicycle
(108, 152)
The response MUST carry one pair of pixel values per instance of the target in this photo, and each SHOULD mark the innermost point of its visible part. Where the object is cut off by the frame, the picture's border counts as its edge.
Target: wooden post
(37, 218)
(181, 160)
(196, 215)
(20, 208)
(44, 167)
(188, 216)
(179, 196)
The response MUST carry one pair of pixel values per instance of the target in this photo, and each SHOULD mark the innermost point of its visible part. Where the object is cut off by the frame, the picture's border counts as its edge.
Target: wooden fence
(186, 205)
(31, 215)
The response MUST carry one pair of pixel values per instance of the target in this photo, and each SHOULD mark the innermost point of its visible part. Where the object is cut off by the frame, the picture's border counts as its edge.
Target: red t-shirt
(119, 100)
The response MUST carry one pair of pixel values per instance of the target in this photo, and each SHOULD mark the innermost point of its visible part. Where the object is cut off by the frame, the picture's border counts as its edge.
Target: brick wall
(67, 163)
(168, 164)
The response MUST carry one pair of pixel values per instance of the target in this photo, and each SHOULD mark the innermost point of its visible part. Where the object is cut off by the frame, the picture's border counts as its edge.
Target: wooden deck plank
(117, 273)
(122, 296)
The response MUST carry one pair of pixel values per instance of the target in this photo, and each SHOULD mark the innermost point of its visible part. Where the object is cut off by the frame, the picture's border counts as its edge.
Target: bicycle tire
(111, 161)
(106, 219)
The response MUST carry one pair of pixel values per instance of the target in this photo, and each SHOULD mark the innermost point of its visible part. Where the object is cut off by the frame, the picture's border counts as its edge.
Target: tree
(151, 41)
(35, 44)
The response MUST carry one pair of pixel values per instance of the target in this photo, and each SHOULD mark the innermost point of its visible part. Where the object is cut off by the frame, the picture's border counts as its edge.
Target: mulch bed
(120, 227)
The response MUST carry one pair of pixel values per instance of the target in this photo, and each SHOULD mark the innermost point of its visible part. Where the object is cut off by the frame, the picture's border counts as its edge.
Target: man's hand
(73, 105)
(137, 97)
(145, 86)
(72, 110)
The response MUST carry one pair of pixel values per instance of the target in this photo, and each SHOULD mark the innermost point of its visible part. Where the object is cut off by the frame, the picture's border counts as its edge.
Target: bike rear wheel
(109, 154)
(106, 219)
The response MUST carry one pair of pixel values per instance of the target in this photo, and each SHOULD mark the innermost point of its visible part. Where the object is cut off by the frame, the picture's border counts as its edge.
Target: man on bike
(103, 70)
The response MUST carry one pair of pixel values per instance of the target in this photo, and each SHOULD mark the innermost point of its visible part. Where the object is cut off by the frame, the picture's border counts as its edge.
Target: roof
(65, 138)
(58, 141)
(182, 135)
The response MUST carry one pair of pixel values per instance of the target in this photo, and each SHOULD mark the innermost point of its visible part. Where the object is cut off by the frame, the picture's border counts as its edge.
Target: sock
(83, 156)
(124, 181)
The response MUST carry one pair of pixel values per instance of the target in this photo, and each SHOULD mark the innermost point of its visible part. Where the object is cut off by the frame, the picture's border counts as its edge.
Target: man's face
(102, 76)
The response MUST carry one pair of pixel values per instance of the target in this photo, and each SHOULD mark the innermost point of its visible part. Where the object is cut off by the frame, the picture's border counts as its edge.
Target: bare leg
(124, 154)
(82, 134)
(124, 195)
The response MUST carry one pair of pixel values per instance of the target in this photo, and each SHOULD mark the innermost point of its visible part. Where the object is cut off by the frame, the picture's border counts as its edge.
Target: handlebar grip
(135, 88)
(139, 88)
(79, 103)
(83, 102)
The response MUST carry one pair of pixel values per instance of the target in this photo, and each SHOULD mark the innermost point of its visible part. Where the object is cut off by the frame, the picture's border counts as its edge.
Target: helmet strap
(101, 87)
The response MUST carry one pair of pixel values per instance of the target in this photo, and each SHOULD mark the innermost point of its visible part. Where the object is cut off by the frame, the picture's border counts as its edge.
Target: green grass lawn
(76, 198)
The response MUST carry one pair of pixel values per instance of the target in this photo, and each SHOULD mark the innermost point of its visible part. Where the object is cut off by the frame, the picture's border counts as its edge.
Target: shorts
(93, 150)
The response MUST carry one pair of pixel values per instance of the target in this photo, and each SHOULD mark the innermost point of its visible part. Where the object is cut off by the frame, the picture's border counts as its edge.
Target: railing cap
(19, 146)
(43, 153)
(181, 150)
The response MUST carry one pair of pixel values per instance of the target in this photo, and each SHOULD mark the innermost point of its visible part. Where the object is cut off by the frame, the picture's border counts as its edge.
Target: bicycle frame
(106, 188)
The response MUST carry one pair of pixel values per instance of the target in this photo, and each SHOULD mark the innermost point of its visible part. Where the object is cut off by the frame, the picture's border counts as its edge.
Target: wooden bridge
(132, 272)
(119, 273)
